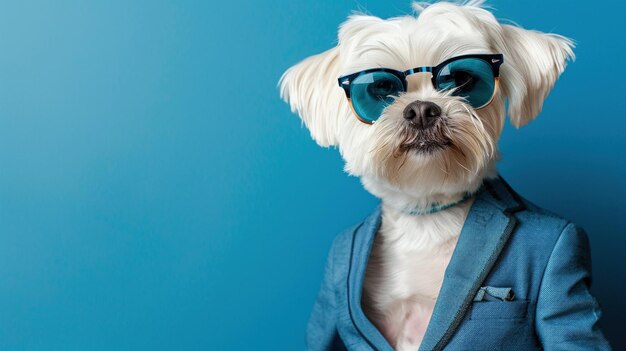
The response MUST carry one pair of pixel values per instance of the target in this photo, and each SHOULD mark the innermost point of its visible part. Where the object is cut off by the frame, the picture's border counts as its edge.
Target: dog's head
(426, 123)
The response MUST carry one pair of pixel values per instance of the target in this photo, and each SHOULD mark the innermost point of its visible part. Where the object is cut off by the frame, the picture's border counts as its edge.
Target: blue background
(156, 194)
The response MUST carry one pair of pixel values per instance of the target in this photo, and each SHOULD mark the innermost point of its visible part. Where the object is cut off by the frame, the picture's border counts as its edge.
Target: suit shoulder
(343, 241)
(539, 223)
(525, 211)
(538, 212)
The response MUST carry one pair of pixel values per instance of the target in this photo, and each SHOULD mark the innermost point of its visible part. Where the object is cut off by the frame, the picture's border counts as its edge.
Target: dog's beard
(422, 140)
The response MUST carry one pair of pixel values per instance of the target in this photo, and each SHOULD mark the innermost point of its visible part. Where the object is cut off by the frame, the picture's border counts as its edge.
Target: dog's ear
(310, 87)
(532, 63)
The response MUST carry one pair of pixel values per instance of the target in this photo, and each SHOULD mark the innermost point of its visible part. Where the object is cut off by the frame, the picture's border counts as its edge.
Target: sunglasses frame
(494, 61)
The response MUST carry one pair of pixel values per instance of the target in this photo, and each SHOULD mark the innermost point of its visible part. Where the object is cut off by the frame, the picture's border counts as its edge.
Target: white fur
(411, 253)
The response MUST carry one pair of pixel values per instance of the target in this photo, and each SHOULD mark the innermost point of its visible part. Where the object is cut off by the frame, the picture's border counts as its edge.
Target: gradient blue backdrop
(156, 194)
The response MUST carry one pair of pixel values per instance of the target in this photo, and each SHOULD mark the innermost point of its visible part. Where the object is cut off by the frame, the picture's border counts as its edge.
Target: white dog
(424, 148)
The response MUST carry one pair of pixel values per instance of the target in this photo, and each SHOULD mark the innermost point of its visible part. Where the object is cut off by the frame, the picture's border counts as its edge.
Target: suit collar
(486, 230)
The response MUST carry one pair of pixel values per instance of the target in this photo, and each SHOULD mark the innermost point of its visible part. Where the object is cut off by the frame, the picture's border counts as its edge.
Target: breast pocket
(511, 310)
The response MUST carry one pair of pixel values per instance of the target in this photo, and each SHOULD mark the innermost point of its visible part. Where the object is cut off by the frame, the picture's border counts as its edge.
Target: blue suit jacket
(506, 242)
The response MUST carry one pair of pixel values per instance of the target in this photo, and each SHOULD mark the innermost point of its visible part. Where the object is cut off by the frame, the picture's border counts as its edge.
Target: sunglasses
(473, 77)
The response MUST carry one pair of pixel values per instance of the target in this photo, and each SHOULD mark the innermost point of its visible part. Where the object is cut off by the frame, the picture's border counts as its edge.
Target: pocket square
(491, 293)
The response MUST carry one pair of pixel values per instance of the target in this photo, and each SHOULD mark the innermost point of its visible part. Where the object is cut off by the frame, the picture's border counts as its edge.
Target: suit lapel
(484, 234)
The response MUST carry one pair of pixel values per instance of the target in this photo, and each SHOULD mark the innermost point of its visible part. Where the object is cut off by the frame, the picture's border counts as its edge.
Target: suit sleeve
(567, 314)
(322, 332)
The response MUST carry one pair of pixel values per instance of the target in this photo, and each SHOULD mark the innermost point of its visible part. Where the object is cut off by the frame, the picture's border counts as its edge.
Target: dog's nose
(422, 114)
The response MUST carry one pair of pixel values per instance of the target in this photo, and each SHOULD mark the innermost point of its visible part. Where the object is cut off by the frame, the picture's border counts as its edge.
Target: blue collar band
(435, 207)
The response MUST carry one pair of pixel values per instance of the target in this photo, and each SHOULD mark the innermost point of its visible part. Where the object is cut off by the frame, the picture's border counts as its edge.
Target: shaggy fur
(411, 252)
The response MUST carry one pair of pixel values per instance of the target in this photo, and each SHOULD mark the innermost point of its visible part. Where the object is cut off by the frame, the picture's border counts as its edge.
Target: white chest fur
(405, 271)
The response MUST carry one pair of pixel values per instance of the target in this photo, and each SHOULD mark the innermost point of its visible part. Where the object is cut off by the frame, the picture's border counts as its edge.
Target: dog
(416, 106)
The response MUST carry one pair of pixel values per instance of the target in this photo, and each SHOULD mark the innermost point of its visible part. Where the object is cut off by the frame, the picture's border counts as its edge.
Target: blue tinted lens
(372, 92)
(470, 78)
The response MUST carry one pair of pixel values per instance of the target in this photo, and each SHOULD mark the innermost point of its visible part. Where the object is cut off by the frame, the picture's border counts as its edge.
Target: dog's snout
(422, 114)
